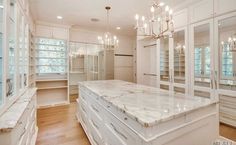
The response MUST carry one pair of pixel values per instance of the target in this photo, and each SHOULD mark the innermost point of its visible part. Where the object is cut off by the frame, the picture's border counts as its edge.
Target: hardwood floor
(228, 132)
(58, 126)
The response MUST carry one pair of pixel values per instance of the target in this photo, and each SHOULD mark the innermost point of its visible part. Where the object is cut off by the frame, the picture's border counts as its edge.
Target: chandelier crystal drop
(231, 42)
(158, 23)
(108, 40)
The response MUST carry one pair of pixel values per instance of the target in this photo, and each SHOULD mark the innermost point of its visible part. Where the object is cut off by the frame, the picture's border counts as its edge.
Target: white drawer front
(112, 138)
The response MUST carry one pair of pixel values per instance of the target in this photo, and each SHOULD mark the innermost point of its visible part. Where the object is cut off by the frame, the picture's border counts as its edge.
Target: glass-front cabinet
(202, 55)
(14, 31)
(172, 52)
(11, 72)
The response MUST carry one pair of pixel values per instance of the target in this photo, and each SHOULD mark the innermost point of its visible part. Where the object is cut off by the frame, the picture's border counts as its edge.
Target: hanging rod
(146, 74)
(149, 45)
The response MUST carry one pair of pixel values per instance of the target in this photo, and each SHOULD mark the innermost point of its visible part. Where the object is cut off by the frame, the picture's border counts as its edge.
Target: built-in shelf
(51, 80)
(49, 88)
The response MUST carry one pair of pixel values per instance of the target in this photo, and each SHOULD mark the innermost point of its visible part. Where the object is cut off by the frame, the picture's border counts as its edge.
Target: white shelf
(51, 80)
(47, 105)
(52, 88)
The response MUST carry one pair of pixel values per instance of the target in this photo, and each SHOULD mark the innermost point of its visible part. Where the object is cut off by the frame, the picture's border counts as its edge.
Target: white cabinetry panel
(60, 33)
(43, 31)
(201, 10)
(52, 32)
(224, 6)
(180, 18)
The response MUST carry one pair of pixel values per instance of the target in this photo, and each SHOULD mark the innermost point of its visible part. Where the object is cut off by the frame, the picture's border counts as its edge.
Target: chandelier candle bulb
(159, 17)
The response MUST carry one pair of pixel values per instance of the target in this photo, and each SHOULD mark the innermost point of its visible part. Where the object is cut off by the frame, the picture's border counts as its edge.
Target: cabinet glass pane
(26, 54)
(51, 56)
(202, 55)
(179, 57)
(227, 53)
(77, 57)
(93, 52)
(164, 59)
(21, 51)
(1, 51)
(10, 82)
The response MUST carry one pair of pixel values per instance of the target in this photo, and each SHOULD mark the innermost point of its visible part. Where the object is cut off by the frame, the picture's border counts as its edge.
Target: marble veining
(10, 118)
(147, 105)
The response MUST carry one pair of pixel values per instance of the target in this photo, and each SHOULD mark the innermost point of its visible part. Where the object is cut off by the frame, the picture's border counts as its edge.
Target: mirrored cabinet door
(179, 61)
(227, 53)
(226, 71)
(1, 52)
(202, 53)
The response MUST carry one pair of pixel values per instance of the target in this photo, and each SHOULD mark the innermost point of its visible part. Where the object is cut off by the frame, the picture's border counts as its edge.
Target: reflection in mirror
(202, 55)
(227, 53)
(164, 59)
(179, 57)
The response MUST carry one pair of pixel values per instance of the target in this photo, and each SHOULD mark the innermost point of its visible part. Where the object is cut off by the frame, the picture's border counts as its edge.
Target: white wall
(124, 66)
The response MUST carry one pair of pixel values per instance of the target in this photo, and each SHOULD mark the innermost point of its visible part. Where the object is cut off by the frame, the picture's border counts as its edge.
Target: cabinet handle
(83, 109)
(95, 109)
(121, 134)
(95, 140)
(95, 125)
(23, 133)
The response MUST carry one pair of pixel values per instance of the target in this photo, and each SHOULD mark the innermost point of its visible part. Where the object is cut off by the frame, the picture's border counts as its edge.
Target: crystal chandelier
(108, 40)
(231, 42)
(158, 23)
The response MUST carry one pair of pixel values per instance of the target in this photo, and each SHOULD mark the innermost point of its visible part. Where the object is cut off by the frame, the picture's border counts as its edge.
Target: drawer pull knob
(95, 109)
(108, 106)
(125, 118)
(117, 131)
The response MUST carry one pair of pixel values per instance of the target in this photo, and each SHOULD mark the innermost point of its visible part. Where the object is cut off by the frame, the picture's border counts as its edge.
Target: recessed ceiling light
(59, 17)
(118, 28)
(1, 6)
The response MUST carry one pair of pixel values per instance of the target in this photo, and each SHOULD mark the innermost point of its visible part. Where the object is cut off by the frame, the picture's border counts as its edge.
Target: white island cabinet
(121, 113)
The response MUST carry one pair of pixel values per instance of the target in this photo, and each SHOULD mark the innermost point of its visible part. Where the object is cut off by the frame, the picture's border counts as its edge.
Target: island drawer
(122, 131)
(112, 138)
(96, 132)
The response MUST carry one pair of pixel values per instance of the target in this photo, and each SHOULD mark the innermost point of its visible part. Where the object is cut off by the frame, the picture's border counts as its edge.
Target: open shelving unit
(51, 79)
(52, 92)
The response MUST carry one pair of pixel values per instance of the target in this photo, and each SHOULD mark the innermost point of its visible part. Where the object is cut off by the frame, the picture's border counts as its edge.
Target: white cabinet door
(60, 33)
(201, 11)
(180, 18)
(224, 6)
(43, 31)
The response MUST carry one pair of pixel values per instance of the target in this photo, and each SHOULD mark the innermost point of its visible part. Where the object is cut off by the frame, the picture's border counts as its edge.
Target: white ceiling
(78, 13)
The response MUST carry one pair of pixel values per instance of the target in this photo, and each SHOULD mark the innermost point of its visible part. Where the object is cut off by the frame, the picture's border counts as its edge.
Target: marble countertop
(147, 105)
(10, 118)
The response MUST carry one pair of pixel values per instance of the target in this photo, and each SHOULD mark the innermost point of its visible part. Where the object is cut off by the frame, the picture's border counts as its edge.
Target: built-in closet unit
(51, 62)
(17, 95)
(197, 59)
